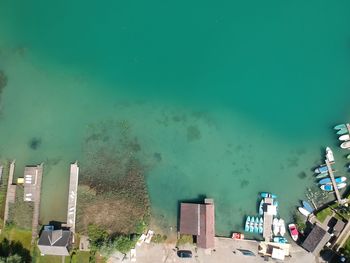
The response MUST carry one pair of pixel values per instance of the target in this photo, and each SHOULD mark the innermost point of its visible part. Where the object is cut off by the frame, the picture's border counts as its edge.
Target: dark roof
(316, 240)
(199, 220)
(339, 226)
(56, 238)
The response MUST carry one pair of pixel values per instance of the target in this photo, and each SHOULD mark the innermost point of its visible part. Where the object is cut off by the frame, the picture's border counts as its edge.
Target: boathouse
(316, 240)
(199, 220)
(55, 242)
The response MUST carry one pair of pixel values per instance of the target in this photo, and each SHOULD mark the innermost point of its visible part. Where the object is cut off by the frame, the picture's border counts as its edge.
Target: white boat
(345, 145)
(329, 187)
(345, 137)
(282, 227)
(329, 155)
(275, 226)
(303, 211)
(293, 231)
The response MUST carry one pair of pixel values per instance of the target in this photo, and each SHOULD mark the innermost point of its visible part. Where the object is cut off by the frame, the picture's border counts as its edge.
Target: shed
(55, 242)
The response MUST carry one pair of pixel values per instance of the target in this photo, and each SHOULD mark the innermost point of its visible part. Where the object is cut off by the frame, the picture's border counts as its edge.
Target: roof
(199, 220)
(57, 238)
(278, 253)
(339, 226)
(316, 240)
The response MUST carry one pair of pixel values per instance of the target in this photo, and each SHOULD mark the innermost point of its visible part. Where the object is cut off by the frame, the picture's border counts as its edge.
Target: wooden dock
(331, 175)
(36, 200)
(72, 196)
(268, 218)
(9, 194)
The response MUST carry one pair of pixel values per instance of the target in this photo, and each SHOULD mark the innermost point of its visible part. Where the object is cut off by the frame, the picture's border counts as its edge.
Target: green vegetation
(184, 239)
(346, 248)
(158, 238)
(322, 215)
(3, 190)
(13, 252)
(300, 222)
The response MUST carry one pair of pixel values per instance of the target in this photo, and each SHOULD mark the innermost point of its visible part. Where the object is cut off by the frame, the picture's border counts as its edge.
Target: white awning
(278, 253)
(271, 210)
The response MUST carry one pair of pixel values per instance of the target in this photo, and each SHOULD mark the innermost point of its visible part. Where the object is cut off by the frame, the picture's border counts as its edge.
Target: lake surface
(226, 98)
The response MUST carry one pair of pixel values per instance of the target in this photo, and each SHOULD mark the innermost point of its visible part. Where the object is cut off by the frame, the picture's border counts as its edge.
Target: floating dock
(268, 218)
(331, 175)
(11, 191)
(72, 196)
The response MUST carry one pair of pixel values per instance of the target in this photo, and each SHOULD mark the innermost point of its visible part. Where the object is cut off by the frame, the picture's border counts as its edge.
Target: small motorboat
(348, 156)
(338, 180)
(345, 137)
(345, 145)
(251, 225)
(319, 176)
(282, 227)
(340, 126)
(308, 206)
(275, 226)
(329, 155)
(261, 206)
(261, 225)
(303, 211)
(342, 131)
(329, 187)
(256, 225)
(293, 231)
(322, 169)
(264, 195)
(247, 224)
(236, 235)
(280, 240)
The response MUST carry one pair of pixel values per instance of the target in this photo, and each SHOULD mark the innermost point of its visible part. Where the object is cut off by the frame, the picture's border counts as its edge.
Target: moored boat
(256, 225)
(307, 206)
(275, 227)
(261, 225)
(348, 156)
(319, 176)
(293, 231)
(329, 187)
(261, 210)
(236, 235)
(247, 224)
(342, 131)
(251, 225)
(345, 145)
(339, 126)
(280, 240)
(303, 211)
(338, 180)
(282, 227)
(264, 195)
(345, 137)
(329, 155)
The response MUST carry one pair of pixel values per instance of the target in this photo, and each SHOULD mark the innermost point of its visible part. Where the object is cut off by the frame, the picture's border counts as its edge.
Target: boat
(275, 226)
(321, 169)
(338, 180)
(345, 145)
(247, 224)
(340, 126)
(280, 240)
(303, 211)
(345, 137)
(329, 155)
(251, 225)
(342, 131)
(308, 206)
(282, 227)
(348, 156)
(256, 225)
(319, 176)
(261, 210)
(275, 203)
(264, 195)
(261, 225)
(329, 187)
(237, 235)
(293, 231)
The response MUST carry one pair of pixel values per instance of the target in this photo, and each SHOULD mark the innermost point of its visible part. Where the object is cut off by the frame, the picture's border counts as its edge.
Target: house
(55, 242)
(199, 220)
(316, 240)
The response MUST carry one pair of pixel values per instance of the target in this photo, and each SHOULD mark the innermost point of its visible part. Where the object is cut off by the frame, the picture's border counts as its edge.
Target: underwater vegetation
(34, 143)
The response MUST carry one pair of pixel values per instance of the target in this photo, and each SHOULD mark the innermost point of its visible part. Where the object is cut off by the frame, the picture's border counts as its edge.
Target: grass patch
(184, 239)
(322, 215)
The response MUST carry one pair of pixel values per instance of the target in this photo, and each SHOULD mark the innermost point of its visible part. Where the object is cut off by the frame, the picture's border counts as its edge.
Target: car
(184, 254)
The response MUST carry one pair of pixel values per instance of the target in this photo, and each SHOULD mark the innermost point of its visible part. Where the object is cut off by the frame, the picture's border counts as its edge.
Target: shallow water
(226, 99)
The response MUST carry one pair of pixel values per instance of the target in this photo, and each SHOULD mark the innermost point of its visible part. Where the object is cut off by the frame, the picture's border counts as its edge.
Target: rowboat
(280, 240)
(282, 227)
(293, 231)
(340, 126)
(247, 224)
(251, 225)
(256, 225)
(342, 131)
(307, 206)
(322, 169)
(345, 145)
(345, 137)
(261, 225)
(303, 211)
(264, 195)
(261, 210)
(329, 155)
(329, 187)
(275, 226)
(338, 180)
(319, 176)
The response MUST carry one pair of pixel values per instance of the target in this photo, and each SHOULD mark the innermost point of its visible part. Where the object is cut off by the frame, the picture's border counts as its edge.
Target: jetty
(11, 192)
(72, 196)
(331, 175)
(269, 212)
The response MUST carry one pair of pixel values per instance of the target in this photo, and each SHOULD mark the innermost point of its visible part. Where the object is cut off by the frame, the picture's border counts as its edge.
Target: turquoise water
(226, 99)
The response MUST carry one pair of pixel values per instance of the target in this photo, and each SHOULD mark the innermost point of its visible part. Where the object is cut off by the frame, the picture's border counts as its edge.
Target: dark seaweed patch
(35, 143)
(157, 156)
(193, 133)
(302, 175)
(244, 183)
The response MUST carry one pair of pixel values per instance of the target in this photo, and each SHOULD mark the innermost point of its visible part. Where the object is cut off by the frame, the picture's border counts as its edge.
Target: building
(55, 242)
(316, 240)
(199, 220)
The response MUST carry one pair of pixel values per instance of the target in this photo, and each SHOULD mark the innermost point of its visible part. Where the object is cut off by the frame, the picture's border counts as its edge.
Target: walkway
(268, 217)
(37, 192)
(9, 193)
(72, 199)
(331, 175)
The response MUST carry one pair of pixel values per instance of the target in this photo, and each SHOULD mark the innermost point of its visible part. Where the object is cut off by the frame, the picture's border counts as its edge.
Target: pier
(268, 217)
(72, 196)
(11, 192)
(331, 175)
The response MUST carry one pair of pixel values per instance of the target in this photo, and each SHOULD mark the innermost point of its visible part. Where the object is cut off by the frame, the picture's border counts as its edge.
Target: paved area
(226, 251)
